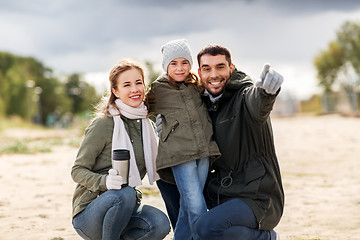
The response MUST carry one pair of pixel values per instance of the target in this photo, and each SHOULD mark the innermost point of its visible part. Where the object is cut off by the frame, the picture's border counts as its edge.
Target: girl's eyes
(137, 83)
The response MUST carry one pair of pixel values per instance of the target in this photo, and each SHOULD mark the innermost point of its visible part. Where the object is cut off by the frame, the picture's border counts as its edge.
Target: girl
(101, 208)
(185, 144)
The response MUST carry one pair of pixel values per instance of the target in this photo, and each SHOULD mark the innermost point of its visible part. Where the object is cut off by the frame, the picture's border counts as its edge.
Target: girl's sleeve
(150, 99)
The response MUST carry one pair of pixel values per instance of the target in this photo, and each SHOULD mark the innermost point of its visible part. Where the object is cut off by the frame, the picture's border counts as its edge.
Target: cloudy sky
(88, 36)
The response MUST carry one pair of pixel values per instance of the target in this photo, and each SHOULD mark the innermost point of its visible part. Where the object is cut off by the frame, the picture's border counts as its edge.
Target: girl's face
(179, 69)
(130, 88)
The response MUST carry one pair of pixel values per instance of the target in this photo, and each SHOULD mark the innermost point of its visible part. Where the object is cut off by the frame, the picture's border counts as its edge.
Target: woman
(102, 209)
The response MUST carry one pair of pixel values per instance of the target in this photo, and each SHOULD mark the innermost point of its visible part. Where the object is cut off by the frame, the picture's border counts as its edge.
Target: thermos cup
(121, 162)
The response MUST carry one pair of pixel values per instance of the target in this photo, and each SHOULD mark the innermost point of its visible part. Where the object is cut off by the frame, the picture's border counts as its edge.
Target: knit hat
(175, 49)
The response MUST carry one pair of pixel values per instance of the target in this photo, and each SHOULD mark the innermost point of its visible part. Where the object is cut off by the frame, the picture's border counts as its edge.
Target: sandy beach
(319, 159)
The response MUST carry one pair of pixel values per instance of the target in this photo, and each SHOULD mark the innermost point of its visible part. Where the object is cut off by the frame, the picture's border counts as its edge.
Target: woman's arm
(90, 153)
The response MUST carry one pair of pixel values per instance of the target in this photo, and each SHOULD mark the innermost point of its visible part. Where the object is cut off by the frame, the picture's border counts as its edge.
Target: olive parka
(248, 168)
(93, 159)
(187, 132)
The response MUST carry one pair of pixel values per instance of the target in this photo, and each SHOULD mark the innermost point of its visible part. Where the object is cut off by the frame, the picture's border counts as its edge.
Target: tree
(49, 90)
(349, 39)
(82, 94)
(6, 60)
(17, 96)
(3, 89)
(349, 76)
(152, 74)
(340, 64)
(328, 63)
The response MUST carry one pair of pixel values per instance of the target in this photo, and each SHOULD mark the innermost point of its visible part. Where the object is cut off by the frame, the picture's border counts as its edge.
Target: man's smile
(216, 82)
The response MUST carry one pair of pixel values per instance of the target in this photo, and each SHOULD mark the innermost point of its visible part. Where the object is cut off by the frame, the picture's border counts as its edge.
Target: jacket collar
(165, 78)
(238, 81)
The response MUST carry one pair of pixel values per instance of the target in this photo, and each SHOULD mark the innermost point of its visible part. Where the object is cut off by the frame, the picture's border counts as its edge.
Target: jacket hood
(238, 81)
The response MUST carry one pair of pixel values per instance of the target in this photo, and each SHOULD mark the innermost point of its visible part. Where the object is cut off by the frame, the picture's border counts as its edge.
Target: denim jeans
(234, 220)
(190, 179)
(171, 196)
(115, 215)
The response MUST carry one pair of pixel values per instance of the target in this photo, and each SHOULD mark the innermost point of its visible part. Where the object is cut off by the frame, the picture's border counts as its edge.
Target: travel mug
(121, 162)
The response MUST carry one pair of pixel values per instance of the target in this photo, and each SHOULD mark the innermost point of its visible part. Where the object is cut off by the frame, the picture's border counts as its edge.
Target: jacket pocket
(168, 131)
(249, 180)
(229, 119)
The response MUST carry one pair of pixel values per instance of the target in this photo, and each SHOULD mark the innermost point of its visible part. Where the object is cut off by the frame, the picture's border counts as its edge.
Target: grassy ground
(18, 136)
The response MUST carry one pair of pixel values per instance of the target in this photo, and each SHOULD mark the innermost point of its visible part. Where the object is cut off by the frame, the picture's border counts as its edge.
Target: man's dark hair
(214, 50)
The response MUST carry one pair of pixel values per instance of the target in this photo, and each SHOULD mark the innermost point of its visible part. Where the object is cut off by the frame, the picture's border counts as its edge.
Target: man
(244, 190)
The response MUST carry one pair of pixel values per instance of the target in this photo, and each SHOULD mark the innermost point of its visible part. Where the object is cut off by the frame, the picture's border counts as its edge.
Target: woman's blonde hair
(109, 100)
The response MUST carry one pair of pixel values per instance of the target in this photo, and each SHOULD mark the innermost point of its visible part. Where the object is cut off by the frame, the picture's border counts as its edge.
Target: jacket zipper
(172, 130)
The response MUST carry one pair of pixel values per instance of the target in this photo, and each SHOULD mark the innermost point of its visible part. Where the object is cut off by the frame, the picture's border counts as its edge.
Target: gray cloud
(305, 7)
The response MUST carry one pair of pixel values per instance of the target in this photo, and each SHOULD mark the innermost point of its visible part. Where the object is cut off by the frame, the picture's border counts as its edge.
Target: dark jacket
(187, 132)
(248, 167)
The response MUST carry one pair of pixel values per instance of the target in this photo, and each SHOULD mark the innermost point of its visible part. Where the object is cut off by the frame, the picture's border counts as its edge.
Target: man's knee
(203, 227)
(157, 222)
(163, 226)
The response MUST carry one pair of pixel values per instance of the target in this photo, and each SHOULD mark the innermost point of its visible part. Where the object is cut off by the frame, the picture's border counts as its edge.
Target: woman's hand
(113, 181)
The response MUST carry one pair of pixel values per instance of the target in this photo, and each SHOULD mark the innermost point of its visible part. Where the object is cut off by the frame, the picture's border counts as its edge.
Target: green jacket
(248, 168)
(186, 126)
(94, 159)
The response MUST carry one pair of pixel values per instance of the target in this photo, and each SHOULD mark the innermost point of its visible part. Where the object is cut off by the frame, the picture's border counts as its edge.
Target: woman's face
(130, 88)
(179, 69)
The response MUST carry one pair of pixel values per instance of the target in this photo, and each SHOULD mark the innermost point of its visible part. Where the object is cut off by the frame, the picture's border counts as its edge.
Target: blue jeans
(233, 219)
(115, 215)
(171, 197)
(190, 179)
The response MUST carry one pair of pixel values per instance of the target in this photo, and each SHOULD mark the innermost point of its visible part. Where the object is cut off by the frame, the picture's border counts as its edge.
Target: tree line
(31, 90)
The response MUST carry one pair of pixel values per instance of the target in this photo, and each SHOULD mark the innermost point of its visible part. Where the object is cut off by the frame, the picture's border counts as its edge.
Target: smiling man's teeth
(215, 83)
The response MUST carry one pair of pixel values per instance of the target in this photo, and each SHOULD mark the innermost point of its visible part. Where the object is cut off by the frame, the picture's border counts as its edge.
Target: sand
(320, 165)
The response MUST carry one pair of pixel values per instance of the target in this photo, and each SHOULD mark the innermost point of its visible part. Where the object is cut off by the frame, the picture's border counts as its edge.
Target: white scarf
(121, 140)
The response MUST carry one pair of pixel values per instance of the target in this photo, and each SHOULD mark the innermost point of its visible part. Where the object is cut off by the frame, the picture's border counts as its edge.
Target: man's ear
(199, 72)
(232, 67)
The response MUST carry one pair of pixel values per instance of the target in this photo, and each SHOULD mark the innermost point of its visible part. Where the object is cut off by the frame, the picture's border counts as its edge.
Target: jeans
(115, 215)
(234, 220)
(171, 197)
(190, 179)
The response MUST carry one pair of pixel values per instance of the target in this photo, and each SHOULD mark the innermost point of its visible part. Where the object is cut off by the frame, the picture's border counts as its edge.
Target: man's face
(214, 72)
